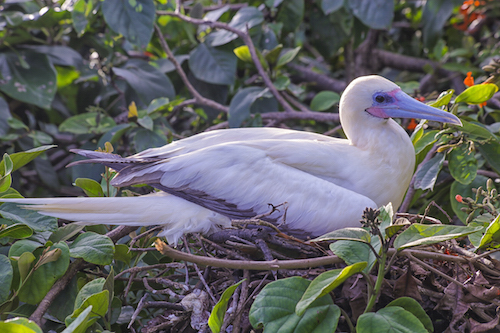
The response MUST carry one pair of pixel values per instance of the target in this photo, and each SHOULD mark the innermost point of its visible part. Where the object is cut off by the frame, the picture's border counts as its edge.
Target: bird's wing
(240, 179)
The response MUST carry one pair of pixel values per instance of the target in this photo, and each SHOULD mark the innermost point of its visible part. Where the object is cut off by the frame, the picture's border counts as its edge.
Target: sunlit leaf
(477, 94)
(219, 311)
(392, 319)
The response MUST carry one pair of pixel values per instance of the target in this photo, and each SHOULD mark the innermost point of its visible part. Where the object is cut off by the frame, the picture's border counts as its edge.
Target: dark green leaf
(35, 221)
(411, 305)
(425, 140)
(89, 122)
(23, 158)
(476, 131)
(89, 289)
(353, 252)
(422, 234)
(94, 248)
(477, 94)
(6, 274)
(393, 319)
(239, 108)
(434, 17)
(326, 282)
(490, 151)
(274, 308)
(427, 173)
(291, 14)
(16, 231)
(133, 19)
(59, 55)
(376, 14)
(213, 66)
(324, 100)
(34, 84)
(219, 311)
(81, 10)
(330, 6)
(462, 164)
(245, 17)
(90, 187)
(66, 232)
(42, 279)
(147, 81)
(355, 234)
(287, 56)
(144, 139)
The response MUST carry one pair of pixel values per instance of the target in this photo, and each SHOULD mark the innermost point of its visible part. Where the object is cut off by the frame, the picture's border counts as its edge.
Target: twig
(247, 39)
(197, 96)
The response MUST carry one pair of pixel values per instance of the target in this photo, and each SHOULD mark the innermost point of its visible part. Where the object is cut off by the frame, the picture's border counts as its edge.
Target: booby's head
(369, 101)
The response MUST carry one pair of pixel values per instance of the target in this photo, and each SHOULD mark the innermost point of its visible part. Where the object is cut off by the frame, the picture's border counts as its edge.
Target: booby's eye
(380, 99)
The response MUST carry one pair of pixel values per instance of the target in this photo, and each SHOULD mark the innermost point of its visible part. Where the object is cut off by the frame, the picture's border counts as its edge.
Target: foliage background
(77, 74)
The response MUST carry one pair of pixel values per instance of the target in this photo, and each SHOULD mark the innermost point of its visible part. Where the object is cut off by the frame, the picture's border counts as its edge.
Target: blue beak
(405, 106)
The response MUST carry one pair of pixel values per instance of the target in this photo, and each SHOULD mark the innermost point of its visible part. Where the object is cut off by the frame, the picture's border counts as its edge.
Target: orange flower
(459, 198)
(469, 80)
(412, 124)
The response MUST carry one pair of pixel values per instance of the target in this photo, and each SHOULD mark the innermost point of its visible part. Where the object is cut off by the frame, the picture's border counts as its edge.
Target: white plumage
(210, 178)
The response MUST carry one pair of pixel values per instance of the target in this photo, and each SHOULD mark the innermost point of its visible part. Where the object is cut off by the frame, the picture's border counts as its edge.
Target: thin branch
(247, 39)
(197, 96)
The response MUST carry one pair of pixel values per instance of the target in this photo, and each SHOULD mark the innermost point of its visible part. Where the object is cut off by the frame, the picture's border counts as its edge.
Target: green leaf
(33, 83)
(6, 275)
(19, 325)
(427, 173)
(7, 164)
(243, 53)
(42, 279)
(355, 234)
(81, 10)
(326, 282)
(23, 158)
(282, 82)
(89, 122)
(411, 305)
(90, 187)
(291, 14)
(157, 104)
(324, 100)
(217, 316)
(5, 115)
(245, 17)
(427, 139)
(240, 106)
(94, 248)
(122, 253)
(491, 237)
(376, 14)
(423, 234)
(212, 65)
(80, 324)
(5, 182)
(287, 56)
(462, 164)
(490, 151)
(443, 99)
(392, 319)
(66, 232)
(89, 289)
(330, 6)
(477, 94)
(34, 220)
(16, 231)
(144, 139)
(274, 308)
(148, 82)
(24, 264)
(99, 303)
(353, 252)
(133, 19)
(434, 16)
(476, 131)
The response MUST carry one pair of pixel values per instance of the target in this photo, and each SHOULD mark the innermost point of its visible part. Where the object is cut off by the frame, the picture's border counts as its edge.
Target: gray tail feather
(110, 160)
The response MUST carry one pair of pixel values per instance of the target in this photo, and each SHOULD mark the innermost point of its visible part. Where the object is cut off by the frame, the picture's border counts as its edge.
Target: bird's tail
(178, 216)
